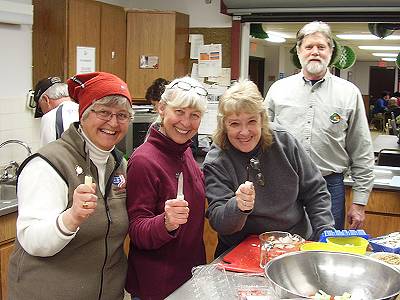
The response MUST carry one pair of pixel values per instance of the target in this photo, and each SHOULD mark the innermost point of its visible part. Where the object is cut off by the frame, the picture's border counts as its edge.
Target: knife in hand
(179, 194)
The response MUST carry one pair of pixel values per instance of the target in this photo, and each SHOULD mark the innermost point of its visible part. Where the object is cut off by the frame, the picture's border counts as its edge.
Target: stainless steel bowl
(303, 274)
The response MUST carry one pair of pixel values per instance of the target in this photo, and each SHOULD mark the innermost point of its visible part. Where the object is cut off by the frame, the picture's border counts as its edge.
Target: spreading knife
(179, 194)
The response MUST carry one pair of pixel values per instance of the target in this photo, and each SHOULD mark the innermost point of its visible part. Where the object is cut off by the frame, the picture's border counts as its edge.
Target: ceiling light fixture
(275, 39)
(383, 54)
(366, 37)
(382, 48)
(388, 58)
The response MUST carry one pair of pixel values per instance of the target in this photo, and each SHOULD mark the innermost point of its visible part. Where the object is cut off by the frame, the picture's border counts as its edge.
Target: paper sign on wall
(210, 60)
(148, 62)
(195, 40)
(85, 59)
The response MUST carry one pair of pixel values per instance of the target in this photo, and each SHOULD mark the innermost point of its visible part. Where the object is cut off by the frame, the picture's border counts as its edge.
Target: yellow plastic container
(319, 246)
(353, 244)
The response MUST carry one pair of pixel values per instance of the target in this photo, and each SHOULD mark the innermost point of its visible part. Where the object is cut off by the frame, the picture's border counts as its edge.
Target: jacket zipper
(109, 221)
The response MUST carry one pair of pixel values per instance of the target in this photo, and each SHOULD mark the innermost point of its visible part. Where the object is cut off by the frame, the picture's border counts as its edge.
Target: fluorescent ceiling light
(275, 38)
(366, 37)
(281, 34)
(382, 48)
(385, 54)
(388, 58)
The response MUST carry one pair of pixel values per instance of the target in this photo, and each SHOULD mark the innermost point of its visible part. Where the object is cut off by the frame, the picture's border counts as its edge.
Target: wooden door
(149, 34)
(256, 72)
(113, 40)
(380, 79)
(83, 30)
(49, 39)
(182, 47)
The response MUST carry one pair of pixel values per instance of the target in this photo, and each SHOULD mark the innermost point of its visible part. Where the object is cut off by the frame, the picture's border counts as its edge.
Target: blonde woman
(258, 177)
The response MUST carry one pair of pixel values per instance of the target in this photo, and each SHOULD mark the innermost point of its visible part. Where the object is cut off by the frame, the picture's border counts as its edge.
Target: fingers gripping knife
(179, 194)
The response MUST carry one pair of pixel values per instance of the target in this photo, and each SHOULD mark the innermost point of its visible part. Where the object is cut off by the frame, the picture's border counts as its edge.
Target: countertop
(387, 178)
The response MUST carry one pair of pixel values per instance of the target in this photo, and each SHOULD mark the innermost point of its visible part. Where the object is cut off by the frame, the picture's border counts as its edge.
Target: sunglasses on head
(185, 86)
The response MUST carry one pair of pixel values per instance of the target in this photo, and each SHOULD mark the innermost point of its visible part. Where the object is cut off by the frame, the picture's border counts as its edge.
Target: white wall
(16, 121)
(201, 14)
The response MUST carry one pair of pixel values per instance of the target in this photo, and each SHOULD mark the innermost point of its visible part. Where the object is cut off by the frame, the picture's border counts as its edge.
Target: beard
(314, 67)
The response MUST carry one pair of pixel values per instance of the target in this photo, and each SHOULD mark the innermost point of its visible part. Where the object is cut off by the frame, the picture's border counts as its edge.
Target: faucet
(8, 177)
(25, 145)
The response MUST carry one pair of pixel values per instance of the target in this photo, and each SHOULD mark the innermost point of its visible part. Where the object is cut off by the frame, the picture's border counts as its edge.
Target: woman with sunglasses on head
(72, 218)
(258, 177)
(166, 218)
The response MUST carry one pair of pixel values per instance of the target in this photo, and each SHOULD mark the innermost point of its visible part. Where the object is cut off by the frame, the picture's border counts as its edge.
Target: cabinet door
(5, 252)
(49, 38)
(83, 30)
(149, 34)
(113, 40)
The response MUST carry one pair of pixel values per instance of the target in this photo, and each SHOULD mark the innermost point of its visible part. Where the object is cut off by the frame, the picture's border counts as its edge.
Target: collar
(97, 155)
(164, 143)
(320, 81)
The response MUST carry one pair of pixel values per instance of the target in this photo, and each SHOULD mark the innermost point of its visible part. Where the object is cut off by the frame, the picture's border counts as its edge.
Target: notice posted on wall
(210, 60)
(85, 59)
(148, 62)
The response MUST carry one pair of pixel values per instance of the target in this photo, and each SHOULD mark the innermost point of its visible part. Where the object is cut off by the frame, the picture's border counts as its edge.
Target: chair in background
(389, 157)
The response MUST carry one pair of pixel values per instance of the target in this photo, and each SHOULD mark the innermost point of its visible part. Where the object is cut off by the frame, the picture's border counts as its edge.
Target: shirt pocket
(334, 120)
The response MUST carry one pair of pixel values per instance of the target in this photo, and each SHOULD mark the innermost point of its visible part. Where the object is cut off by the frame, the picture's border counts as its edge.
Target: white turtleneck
(43, 197)
(99, 157)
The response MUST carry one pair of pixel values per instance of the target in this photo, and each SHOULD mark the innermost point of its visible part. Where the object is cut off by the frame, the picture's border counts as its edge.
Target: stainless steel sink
(8, 192)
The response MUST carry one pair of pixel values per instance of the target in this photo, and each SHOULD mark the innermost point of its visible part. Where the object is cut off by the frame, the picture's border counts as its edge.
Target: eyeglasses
(187, 87)
(255, 165)
(106, 115)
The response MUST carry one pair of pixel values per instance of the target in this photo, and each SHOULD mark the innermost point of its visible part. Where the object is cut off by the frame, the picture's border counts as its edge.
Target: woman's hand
(245, 196)
(83, 205)
(176, 213)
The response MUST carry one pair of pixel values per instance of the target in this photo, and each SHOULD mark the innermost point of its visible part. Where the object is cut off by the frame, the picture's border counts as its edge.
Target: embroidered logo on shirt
(335, 118)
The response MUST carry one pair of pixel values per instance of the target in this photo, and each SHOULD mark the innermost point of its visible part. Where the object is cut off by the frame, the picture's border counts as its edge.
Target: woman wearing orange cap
(72, 217)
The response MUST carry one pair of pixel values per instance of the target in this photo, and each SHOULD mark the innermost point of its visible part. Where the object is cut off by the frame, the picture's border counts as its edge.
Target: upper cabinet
(60, 26)
(160, 35)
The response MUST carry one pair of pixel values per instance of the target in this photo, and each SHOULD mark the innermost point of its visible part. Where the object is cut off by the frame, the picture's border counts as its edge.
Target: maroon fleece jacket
(159, 262)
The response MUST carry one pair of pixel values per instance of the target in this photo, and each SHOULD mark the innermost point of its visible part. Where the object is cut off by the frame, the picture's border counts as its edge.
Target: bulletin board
(216, 36)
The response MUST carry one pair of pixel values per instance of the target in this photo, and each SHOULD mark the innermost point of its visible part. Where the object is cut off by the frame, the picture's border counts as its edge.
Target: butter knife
(179, 194)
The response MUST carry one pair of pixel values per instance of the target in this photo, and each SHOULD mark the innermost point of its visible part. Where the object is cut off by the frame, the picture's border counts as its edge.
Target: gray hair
(175, 97)
(314, 27)
(243, 96)
(56, 91)
(111, 100)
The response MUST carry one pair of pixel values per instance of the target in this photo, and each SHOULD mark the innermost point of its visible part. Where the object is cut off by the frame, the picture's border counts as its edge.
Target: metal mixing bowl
(303, 274)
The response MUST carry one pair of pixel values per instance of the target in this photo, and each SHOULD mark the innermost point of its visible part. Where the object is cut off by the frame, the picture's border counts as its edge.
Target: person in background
(166, 231)
(155, 90)
(55, 107)
(72, 218)
(381, 103)
(258, 176)
(326, 114)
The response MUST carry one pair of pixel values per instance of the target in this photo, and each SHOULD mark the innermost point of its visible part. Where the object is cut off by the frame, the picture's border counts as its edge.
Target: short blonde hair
(243, 96)
(176, 97)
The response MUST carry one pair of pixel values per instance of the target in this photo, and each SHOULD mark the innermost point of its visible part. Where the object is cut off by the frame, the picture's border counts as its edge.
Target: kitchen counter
(8, 207)
(387, 178)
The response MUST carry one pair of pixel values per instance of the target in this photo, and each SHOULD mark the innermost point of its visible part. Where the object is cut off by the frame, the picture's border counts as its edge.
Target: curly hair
(156, 89)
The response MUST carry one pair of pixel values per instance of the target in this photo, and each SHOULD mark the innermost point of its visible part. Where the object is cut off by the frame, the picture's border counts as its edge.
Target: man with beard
(326, 114)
